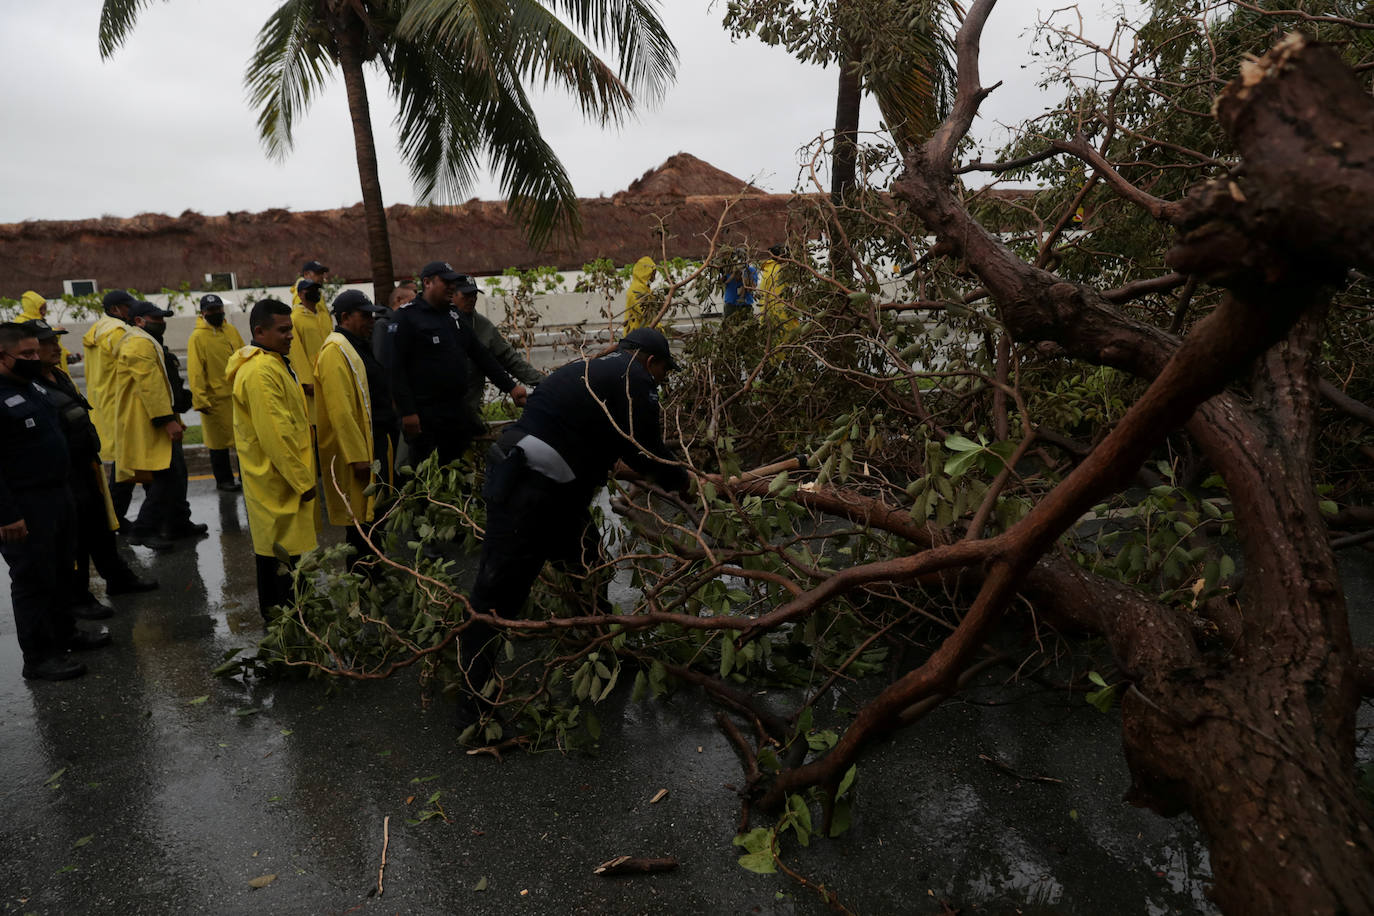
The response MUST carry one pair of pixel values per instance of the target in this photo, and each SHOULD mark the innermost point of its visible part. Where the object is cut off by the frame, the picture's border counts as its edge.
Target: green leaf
(198, 700)
(593, 726)
(759, 862)
(841, 818)
(956, 466)
(1096, 679)
(1102, 700)
(481, 884)
(727, 653)
(760, 839)
(641, 687)
(52, 780)
(83, 841)
(418, 780)
(850, 775)
(957, 443)
(247, 711)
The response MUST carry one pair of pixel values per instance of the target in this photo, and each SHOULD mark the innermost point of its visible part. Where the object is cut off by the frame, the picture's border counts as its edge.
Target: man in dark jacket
(544, 470)
(36, 514)
(430, 350)
(95, 539)
(489, 336)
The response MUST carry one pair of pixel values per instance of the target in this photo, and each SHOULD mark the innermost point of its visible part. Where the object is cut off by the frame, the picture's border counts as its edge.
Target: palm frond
(290, 64)
(117, 19)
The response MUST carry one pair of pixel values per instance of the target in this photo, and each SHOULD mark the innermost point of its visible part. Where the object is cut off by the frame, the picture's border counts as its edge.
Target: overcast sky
(164, 127)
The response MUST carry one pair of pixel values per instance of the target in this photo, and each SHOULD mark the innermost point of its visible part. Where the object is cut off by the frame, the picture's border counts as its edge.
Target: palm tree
(458, 71)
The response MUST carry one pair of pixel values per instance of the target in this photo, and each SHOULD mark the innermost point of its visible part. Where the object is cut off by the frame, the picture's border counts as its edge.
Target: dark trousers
(384, 449)
(164, 502)
(121, 493)
(221, 466)
(449, 437)
(274, 584)
(38, 565)
(95, 542)
(531, 520)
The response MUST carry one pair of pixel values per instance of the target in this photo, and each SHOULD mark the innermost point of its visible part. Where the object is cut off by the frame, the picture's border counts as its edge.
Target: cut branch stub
(1302, 208)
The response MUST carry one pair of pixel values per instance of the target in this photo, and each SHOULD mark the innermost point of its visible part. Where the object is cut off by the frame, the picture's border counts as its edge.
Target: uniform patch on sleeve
(30, 422)
(14, 401)
(435, 338)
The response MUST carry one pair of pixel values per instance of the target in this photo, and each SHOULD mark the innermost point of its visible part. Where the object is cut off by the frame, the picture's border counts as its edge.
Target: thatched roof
(151, 251)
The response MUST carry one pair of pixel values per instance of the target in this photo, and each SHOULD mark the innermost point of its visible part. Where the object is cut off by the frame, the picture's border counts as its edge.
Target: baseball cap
(353, 300)
(466, 284)
(45, 330)
(117, 297)
(441, 269)
(304, 285)
(650, 340)
(148, 310)
(210, 299)
(314, 266)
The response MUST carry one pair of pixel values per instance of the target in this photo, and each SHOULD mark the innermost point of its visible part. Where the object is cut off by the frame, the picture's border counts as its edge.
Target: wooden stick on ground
(386, 839)
(630, 865)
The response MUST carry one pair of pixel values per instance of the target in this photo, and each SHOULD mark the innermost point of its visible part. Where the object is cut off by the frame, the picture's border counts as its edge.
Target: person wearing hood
(95, 517)
(348, 382)
(207, 352)
(149, 400)
(772, 293)
(36, 514)
(276, 455)
(489, 336)
(100, 343)
(310, 325)
(636, 308)
(34, 307)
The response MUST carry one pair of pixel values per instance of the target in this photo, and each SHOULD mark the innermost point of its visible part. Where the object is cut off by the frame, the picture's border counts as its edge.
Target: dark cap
(148, 310)
(466, 284)
(303, 285)
(210, 299)
(353, 300)
(441, 269)
(45, 330)
(117, 297)
(315, 267)
(649, 340)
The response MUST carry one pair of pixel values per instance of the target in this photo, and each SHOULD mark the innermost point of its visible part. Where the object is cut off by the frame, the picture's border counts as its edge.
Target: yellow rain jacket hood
(344, 403)
(101, 343)
(207, 356)
(142, 392)
(276, 460)
(635, 307)
(34, 306)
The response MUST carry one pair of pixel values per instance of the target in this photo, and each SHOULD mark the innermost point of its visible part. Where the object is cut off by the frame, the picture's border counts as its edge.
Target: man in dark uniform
(489, 336)
(95, 539)
(430, 351)
(36, 514)
(544, 470)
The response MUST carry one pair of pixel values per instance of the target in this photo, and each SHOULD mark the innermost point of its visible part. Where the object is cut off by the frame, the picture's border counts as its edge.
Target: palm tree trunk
(350, 39)
(842, 172)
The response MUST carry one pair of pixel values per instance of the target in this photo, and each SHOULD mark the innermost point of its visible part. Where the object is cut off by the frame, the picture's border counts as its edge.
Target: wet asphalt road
(125, 792)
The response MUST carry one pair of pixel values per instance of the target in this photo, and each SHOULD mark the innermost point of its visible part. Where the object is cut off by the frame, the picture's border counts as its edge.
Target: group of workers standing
(317, 402)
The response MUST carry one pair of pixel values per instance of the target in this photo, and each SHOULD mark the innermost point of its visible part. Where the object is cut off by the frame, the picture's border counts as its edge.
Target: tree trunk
(843, 173)
(350, 39)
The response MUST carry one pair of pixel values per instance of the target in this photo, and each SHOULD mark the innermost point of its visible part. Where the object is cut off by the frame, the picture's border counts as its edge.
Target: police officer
(544, 470)
(36, 514)
(489, 336)
(95, 539)
(430, 349)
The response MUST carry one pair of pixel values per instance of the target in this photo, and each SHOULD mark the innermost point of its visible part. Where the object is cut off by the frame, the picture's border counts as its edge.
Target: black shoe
(150, 540)
(56, 668)
(82, 640)
(185, 529)
(130, 585)
(229, 486)
(92, 610)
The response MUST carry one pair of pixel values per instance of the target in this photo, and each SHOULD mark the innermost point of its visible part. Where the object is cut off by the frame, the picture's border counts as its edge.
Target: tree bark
(350, 39)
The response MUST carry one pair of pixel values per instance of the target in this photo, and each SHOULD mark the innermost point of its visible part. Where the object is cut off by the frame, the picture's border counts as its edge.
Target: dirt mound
(684, 175)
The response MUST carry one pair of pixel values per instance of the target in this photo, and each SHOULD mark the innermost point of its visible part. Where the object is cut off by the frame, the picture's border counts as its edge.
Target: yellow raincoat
(207, 353)
(33, 307)
(772, 297)
(142, 392)
(101, 344)
(635, 307)
(276, 459)
(309, 329)
(345, 427)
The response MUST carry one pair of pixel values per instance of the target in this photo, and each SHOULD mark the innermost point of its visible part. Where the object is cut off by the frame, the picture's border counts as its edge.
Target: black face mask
(26, 368)
(311, 295)
(156, 329)
(215, 320)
